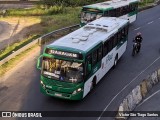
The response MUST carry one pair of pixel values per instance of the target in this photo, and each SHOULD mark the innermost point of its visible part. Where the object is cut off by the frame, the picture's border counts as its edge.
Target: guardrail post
(39, 40)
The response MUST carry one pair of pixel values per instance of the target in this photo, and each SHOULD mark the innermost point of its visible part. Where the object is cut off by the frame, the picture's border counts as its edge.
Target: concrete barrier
(143, 87)
(137, 94)
(149, 83)
(159, 75)
(119, 115)
(154, 77)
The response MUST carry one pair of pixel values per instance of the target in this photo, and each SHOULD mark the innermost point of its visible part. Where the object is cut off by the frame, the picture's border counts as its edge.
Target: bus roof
(90, 35)
(110, 4)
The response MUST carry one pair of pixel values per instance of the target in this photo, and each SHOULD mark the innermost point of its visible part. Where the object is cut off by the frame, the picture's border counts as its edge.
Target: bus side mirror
(38, 62)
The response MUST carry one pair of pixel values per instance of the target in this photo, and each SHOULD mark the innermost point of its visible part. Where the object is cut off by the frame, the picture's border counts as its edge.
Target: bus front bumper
(69, 96)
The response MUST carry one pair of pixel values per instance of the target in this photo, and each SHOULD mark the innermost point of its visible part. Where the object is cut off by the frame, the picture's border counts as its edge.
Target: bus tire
(93, 83)
(115, 61)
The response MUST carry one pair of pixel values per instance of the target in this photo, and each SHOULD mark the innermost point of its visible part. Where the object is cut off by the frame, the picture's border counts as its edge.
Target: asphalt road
(20, 89)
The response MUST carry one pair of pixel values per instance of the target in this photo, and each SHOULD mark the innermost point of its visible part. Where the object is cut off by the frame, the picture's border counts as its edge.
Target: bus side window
(94, 57)
(124, 10)
(119, 36)
(121, 11)
(99, 53)
(126, 30)
(117, 12)
(106, 13)
(132, 7)
(115, 40)
(109, 45)
(112, 13)
(89, 64)
(123, 34)
(105, 48)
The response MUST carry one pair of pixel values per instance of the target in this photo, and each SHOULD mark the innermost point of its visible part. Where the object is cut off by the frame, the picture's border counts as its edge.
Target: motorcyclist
(138, 39)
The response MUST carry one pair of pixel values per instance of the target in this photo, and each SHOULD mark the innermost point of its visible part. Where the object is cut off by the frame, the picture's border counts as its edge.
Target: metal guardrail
(39, 40)
(44, 37)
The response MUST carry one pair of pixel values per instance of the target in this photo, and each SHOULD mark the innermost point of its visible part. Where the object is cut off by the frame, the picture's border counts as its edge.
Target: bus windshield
(88, 17)
(62, 70)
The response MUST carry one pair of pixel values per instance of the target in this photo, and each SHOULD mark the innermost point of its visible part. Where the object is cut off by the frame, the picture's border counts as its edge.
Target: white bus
(75, 63)
(126, 9)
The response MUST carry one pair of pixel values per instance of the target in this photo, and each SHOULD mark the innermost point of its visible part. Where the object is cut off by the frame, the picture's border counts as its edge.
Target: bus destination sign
(91, 10)
(62, 53)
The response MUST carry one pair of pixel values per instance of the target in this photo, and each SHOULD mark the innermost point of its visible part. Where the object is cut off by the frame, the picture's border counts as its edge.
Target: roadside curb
(130, 102)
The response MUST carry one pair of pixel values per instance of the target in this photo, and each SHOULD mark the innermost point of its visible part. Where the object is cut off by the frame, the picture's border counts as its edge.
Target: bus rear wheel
(115, 61)
(93, 83)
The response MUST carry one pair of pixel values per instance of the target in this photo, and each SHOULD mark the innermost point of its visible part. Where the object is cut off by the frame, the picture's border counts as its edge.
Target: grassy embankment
(49, 21)
(146, 3)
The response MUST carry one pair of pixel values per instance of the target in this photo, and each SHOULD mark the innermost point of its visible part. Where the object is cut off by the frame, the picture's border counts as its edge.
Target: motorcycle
(136, 48)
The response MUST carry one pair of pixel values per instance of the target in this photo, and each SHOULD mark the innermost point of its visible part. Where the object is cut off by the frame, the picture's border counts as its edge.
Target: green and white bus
(126, 9)
(72, 65)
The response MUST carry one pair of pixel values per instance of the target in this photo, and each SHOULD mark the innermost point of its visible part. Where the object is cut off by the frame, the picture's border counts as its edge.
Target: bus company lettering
(18, 114)
(67, 54)
(109, 57)
(34, 115)
(15, 114)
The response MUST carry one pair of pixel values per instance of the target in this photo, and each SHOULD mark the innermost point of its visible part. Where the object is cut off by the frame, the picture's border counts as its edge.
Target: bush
(55, 10)
(35, 11)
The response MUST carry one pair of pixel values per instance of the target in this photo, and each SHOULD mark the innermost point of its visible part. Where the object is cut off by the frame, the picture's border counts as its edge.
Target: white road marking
(137, 28)
(126, 87)
(150, 22)
(148, 98)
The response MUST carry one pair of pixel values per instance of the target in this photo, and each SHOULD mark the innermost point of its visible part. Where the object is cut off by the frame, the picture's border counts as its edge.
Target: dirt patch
(21, 28)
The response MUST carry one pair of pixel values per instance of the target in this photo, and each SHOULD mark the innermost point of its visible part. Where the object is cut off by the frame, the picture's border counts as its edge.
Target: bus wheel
(115, 61)
(93, 83)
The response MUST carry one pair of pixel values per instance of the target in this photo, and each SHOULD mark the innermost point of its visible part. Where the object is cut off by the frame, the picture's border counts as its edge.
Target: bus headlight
(77, 91)
(43, 85)
(41, 82)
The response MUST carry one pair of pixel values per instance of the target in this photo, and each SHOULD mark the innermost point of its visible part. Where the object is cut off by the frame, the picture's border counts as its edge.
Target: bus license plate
(57, 94)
